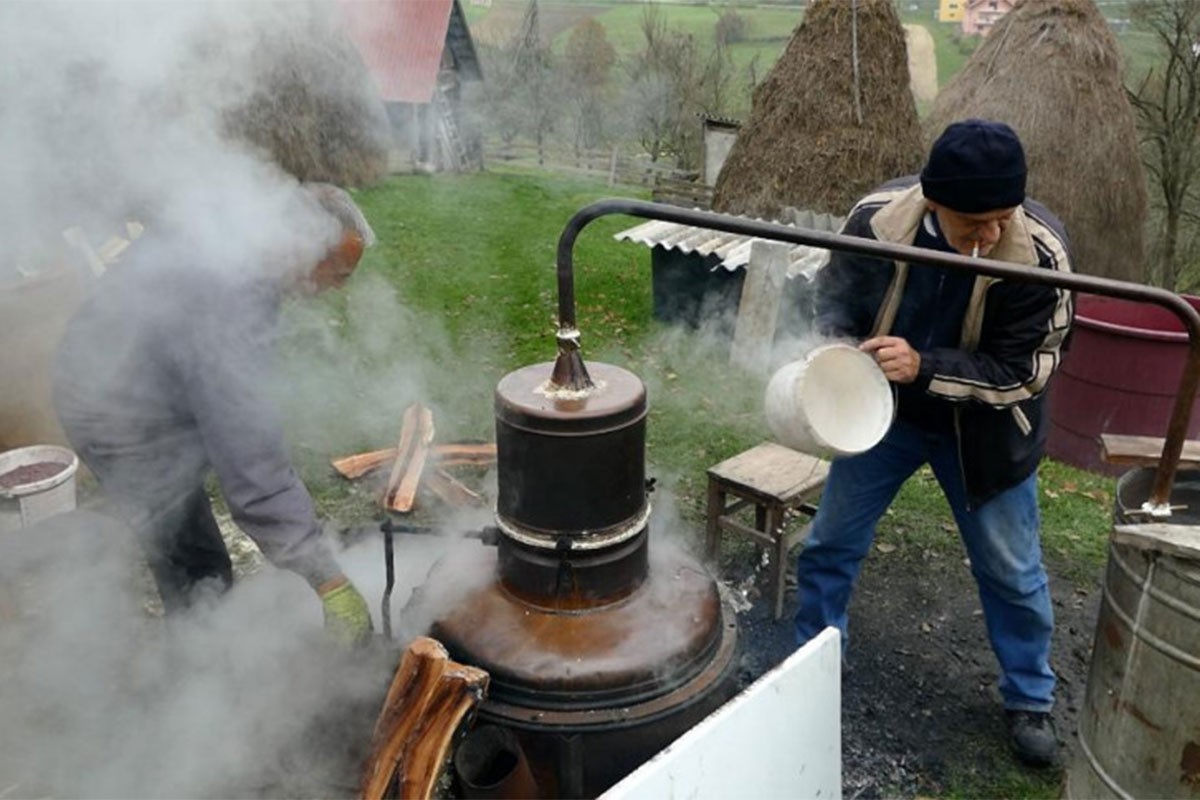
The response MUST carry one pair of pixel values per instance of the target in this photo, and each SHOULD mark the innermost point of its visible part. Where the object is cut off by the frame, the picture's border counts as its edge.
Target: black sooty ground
(921, 714)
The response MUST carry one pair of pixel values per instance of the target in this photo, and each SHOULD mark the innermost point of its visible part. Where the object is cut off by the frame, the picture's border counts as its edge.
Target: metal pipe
(568, 333)
(389, 560)
(492, 765)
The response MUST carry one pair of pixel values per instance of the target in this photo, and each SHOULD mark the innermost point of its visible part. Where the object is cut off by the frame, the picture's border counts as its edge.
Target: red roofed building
(420, 53)
(980, 15)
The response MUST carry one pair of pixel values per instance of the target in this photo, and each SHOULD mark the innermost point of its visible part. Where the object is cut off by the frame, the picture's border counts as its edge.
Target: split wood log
(401, 494)
(454, 454)
(408, 433)
(449, 490)
(355, 466)
(427, 702)
(451, 454)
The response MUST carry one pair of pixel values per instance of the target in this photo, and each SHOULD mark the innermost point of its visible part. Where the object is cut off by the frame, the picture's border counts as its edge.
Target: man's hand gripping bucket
(833, 402)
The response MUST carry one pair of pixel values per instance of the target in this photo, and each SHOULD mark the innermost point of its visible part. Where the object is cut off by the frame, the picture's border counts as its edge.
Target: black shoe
(1033, 738)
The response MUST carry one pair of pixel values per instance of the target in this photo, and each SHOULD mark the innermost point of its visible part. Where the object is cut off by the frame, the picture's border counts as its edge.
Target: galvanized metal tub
(1139, 729)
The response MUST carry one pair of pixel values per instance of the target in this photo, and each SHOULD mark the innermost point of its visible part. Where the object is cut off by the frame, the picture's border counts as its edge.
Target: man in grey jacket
(162, 375)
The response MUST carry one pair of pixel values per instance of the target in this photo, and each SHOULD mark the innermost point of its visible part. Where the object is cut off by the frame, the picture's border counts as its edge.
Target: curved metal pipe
(569, 366)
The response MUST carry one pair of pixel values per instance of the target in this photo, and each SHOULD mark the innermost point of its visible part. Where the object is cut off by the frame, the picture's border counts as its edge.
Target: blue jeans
(1001, 538)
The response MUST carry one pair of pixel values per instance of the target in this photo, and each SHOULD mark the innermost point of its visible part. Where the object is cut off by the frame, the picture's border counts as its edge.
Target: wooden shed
(422, 59)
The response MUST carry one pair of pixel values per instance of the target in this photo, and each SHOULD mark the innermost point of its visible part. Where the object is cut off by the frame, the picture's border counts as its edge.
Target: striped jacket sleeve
(1018, 341)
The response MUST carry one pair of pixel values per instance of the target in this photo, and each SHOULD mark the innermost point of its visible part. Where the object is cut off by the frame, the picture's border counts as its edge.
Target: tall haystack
(1051, 69)
(833, 119)
(312, 108)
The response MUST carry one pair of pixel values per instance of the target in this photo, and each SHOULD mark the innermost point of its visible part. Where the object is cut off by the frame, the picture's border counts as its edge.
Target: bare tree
(1167, 103)
(522, 96)
(673, 79)
(589, 59)
(497, 101)
(537, 85)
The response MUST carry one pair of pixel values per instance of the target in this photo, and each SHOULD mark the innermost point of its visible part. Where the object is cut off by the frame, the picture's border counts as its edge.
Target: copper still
(601, 651)
(599, 655)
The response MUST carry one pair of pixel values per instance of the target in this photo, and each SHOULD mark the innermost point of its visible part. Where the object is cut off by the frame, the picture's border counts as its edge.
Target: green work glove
(346, 616)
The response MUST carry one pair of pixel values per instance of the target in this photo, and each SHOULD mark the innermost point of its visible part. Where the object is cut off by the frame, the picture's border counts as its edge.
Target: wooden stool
(774, 479)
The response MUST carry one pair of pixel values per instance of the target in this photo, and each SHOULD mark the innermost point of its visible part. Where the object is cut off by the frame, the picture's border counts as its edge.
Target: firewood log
(450, 454)
(428, 700)
(402, 496)
(355, 466)
(408, 433)
(449, 490)
(455, 453)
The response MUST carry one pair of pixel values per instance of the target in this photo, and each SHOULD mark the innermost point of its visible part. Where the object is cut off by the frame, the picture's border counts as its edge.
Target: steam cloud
(114, 111)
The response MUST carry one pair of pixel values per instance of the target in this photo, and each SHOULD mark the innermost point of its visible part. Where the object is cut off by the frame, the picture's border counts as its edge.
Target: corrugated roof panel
(677, 239)
(733, 249)
(401, 42)
(737, 255)
(647, 233)
(708, 242)
(696, 240)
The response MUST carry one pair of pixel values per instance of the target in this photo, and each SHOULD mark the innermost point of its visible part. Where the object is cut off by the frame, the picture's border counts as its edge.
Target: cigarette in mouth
(975, 251)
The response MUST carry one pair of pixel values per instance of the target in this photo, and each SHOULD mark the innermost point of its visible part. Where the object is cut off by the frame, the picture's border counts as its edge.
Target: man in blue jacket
(969, 357)
(161, 378)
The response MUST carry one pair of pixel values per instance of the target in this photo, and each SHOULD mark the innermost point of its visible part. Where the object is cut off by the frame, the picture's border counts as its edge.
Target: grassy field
(460, 290)
(769, 28)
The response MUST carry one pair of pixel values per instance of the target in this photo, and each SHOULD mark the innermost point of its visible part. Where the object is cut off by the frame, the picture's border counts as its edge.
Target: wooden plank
(758, 311)
(1173, 540)
(1145, 451)
(427, 701)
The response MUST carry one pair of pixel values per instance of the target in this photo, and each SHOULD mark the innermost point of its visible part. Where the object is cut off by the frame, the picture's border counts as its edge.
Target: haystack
(1051, 69)
(313, 109)
(831, 121)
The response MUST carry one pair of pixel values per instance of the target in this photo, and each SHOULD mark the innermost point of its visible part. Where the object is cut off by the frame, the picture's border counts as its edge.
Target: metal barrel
(1139, 729)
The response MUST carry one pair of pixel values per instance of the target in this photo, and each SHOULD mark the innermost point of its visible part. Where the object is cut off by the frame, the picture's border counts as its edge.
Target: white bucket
(833, 402)
(27, 503)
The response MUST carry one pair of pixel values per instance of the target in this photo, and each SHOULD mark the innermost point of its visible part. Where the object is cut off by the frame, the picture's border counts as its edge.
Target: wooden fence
(666, 183)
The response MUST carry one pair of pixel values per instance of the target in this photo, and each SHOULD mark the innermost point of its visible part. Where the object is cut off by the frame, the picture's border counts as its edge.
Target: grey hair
(341, 205)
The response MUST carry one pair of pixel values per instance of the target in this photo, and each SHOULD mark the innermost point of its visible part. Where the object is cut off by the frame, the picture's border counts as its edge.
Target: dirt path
(922, 63)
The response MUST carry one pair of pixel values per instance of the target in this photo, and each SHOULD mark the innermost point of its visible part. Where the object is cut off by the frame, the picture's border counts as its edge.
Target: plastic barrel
(1120, 375)
(1139, 728)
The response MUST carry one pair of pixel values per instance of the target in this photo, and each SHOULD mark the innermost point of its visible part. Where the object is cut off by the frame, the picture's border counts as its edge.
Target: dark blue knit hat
(976, 166)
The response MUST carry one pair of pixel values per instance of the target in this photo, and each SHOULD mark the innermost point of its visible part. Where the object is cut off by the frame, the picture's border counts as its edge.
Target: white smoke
(111, 112)
(114, 111)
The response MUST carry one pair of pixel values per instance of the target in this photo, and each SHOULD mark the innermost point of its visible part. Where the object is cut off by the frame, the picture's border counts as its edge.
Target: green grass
(623, 24)
(1139, 51)
(1076, 518)
(984, 779)
(470, 259)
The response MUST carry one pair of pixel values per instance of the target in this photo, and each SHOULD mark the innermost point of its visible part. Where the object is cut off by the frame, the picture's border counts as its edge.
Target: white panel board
(781, 738)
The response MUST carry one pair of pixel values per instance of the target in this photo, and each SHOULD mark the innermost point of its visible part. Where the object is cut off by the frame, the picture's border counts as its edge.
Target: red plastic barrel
(1119, 376)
